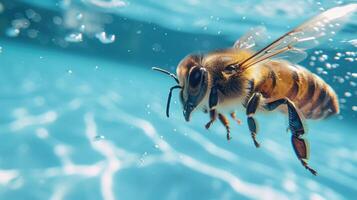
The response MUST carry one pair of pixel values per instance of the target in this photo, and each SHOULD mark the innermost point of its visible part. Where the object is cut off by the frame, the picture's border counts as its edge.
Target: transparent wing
(253, 39)
(292, 45)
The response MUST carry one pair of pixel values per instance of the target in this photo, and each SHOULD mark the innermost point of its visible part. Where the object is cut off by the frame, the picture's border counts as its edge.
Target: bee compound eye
(195, 77)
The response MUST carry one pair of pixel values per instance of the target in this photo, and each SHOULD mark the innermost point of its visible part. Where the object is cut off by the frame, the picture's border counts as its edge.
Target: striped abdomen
(313, 96)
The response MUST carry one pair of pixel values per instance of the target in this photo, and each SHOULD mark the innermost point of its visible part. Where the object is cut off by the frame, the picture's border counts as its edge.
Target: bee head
(194, 81)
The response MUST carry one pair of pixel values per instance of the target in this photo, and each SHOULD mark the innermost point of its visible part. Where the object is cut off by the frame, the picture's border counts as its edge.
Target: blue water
(87, 120)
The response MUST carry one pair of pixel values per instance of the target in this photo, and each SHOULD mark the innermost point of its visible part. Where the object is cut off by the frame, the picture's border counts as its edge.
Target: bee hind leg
(225, 123)
(296, 127)
(252, 106)
(301, 148)
(213, 117)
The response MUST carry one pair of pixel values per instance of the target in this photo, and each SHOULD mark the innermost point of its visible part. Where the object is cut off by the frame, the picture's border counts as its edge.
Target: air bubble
(323, 58)
(57, 20)
(156, 47)
(319, 70)
(20, 23)
(32, 33)
(32, 15)
(350, 53)
(74, 37)
(354, 108)
(317, 52)
(348, 94)
(104, 38)
(12, 32)
(82, 28)
(340, 80)
(349, 59)
(353, 42)
(79, 16)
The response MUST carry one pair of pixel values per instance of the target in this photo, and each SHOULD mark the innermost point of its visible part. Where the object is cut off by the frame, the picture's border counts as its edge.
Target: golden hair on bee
(267, 78)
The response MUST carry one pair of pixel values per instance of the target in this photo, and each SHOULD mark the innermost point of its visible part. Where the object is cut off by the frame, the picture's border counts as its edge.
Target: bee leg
(301, 149)
(213, 97)
(296, 127)
(213, 117)
(252, 106)
(234, 117)
(225, 123)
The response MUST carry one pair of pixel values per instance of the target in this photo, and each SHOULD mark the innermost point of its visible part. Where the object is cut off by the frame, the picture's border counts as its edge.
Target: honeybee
(219, 81)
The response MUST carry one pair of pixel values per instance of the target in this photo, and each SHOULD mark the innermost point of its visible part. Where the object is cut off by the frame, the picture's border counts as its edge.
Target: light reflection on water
(51, 137)
(81, 127)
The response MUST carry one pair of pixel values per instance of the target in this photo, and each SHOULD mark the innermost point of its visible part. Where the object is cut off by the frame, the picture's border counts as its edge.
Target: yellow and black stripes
(312, 96)
(294, 90)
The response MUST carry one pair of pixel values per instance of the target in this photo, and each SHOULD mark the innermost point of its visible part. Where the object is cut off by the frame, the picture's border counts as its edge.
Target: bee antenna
(169, 99)
(166, 72)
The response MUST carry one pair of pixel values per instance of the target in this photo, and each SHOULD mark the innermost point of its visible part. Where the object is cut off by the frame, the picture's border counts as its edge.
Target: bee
(266, 79)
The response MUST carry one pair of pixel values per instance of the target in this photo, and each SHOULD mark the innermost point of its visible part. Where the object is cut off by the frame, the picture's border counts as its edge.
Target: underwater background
(83, 115)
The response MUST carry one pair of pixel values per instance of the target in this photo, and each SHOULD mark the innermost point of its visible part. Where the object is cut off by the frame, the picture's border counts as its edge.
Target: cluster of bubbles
(350, 56)
(320, 59)
(23, 22)
(325, 62)
(351, 79)
(84, 25)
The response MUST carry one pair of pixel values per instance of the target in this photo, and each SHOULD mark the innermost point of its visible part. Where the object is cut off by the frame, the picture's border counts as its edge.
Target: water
(86, 120)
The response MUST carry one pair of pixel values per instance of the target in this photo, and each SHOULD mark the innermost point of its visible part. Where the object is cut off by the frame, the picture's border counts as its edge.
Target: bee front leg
(225, 123)
(213, 97)
(234, 117)
(213, 117)
(252, 106)
(296, 127)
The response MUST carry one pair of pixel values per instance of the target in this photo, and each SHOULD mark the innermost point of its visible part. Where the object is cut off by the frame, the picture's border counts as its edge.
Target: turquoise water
(87, 120)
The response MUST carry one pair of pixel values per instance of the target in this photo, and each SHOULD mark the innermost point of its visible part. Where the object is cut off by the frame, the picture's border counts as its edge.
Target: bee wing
(253, 39)
(292, 45)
